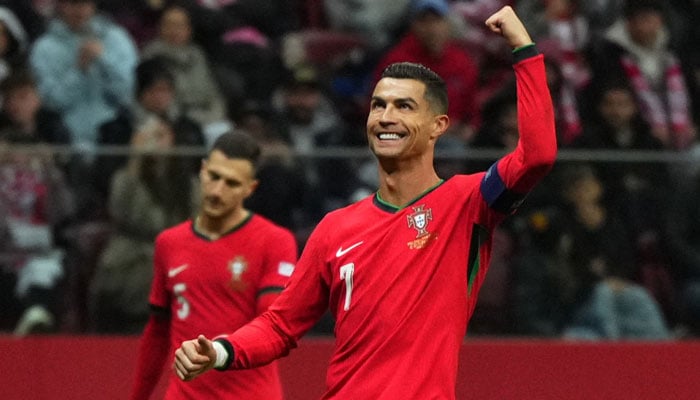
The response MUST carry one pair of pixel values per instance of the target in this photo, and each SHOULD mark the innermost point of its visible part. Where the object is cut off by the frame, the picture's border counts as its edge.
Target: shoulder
(270, 229)
(175, 233)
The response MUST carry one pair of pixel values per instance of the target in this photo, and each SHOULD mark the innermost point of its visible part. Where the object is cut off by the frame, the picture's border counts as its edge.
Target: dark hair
(152, 70)
(18, 79)
(632, 8)
(435, 88)
(237, 144)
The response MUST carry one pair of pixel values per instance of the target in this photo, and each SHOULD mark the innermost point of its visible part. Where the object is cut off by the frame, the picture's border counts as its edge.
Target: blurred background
(106, 109)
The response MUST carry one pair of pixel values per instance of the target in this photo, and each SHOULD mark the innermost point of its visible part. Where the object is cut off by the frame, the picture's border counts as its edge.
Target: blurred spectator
(283, 188)
(636, 191)
(35, 202)
(150, 193)
(24, 118)
(241, 38)
(602, 257)
(430, 42)
(155, 96)
(576, 279)
(84, 65)
(636, 49)
(379, 22)
(197, 92)
(13, 43)
(314, 123)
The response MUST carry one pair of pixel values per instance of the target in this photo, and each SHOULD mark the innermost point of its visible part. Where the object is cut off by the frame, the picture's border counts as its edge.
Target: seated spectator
(197, 92)
(636, 49)
(35, 202)
(379, 22)
(578, 282)
(430, 42)
(84, 66)
(283, 188)
(314, 124)
(155, 96)
(150, 193)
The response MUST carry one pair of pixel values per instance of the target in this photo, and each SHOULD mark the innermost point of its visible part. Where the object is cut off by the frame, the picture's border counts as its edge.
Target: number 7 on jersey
(346, 273)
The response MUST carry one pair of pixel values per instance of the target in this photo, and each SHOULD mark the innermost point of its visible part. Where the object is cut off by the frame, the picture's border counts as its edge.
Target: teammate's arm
(152, 354)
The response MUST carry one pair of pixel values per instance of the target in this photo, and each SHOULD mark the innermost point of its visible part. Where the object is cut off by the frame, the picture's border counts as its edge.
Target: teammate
(401, 270)
(214, 273)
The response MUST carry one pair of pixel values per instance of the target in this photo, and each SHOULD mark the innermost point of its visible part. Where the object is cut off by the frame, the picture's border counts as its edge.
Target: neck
(214, 228)
(399, 185)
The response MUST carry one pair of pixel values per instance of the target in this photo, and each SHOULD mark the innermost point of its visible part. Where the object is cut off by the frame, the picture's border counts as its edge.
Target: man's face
(301, 102)
(158, 97)
(21, 104)
(225, 184)
(400, 123)
(645, 27)
(617, 107)
(76, 14)
(175, 27)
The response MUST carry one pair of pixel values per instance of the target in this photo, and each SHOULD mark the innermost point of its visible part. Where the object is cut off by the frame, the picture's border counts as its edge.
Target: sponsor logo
(172, 272)
(341, 251)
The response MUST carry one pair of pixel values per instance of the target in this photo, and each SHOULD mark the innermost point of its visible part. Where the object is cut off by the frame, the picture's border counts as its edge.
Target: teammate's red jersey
(403, 282)
(211, 287)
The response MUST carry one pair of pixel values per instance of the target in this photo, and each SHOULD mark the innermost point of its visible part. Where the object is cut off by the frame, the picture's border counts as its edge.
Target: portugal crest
(419, 220)
(237, 266)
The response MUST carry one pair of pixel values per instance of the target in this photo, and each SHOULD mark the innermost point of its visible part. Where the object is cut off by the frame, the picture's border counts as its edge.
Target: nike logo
(174, 271)
(341, 251)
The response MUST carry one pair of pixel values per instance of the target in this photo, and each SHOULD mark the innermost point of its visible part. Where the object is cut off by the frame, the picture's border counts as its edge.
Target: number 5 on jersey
(346, 273)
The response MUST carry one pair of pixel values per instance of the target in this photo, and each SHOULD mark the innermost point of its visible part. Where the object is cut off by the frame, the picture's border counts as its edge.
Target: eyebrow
(397, 100)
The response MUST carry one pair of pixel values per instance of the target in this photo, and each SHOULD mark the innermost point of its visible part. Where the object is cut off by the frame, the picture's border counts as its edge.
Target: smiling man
(401, 269)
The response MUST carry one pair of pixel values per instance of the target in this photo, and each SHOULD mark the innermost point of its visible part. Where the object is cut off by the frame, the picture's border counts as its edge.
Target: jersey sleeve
(280, 261)
(510, 179)
(274, 333)
(159, 296)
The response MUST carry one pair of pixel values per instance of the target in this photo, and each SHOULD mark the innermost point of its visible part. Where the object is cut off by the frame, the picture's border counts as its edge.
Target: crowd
(129, 94)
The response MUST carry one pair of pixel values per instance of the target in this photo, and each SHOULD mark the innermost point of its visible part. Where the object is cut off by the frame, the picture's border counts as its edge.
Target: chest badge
(419, 220)
(238, 266)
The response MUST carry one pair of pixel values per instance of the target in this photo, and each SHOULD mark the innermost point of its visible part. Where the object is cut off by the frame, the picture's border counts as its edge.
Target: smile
(390, 136)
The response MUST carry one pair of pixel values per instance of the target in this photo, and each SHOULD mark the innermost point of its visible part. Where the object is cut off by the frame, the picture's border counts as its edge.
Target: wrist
(224, 354)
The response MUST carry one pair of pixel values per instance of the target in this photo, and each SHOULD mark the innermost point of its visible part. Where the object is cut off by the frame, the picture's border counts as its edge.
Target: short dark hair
(152, 70)
(632, 8)
(19, 79)
(435, 88)
(238, 144)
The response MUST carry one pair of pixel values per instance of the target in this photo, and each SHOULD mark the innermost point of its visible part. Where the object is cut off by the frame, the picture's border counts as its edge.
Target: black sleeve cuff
(525, 52)
(229, 351)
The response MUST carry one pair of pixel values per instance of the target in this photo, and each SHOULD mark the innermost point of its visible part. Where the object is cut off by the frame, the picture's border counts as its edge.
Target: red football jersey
(211, 287)
(403, 282)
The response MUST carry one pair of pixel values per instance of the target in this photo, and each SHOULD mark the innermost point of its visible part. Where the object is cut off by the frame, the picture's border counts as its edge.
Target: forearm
(536, 151)
(153, 353)
(256, 344)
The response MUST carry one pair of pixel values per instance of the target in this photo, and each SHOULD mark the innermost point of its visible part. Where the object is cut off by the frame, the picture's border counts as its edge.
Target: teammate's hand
(194, 357)
(507, 24)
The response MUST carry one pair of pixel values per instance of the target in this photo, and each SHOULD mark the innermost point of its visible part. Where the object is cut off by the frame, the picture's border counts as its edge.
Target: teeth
(389, 136)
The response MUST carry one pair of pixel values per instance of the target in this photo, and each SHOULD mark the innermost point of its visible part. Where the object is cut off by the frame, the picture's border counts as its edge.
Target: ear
(440, 125)
(252, 187)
